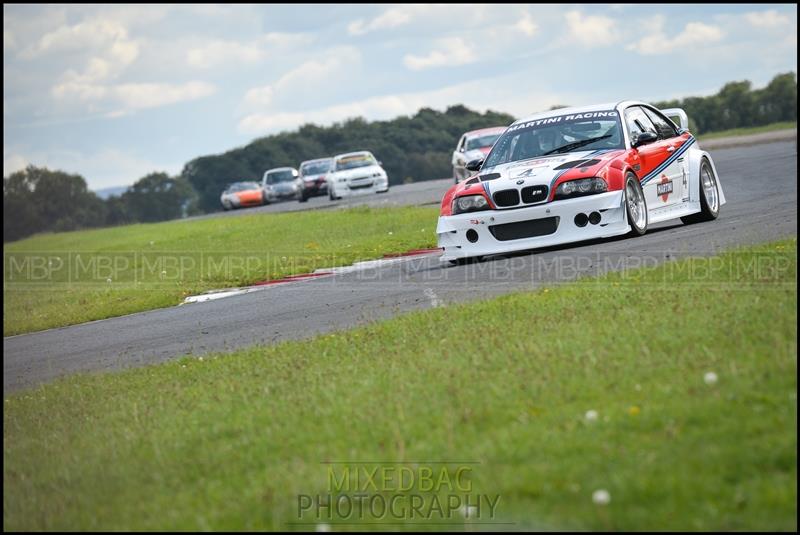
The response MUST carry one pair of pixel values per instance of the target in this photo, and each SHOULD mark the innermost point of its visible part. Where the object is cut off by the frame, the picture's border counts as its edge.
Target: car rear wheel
(635, 205)
(709, 196)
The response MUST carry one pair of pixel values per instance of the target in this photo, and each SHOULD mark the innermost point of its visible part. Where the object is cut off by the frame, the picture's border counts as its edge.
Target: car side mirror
(474, 165)
(644, 138)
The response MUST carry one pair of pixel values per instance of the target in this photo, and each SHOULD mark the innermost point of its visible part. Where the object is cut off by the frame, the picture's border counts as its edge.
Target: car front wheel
(635, 205)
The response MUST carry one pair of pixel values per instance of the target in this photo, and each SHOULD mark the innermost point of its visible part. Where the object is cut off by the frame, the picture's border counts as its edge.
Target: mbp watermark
(396, 492)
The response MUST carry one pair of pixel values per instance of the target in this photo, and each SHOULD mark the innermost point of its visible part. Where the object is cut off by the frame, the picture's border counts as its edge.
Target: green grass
(748, 131)
(141, 267)
(229, 441)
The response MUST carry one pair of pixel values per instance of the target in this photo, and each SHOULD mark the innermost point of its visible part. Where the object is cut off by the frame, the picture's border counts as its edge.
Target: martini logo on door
(664, 188)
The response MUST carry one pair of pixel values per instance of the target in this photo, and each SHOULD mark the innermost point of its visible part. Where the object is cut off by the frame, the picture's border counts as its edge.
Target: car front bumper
(315, 187)
(361, 187)
(519, 229)
(281, 195)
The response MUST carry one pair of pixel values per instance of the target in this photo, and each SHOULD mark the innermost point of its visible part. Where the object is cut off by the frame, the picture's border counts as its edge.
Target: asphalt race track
(760, 183)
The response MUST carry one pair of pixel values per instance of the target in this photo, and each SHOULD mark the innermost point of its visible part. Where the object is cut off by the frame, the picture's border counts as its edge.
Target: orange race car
(241, 194)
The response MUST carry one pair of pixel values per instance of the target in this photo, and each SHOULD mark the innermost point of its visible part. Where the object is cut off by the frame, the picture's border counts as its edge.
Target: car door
(656, 173)
(677, 171)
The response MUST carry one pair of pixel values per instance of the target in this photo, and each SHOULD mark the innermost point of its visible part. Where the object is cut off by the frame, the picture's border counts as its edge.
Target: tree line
(411, 148)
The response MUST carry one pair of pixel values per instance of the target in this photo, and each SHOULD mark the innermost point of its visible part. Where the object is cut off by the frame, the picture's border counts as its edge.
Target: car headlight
(582, 186)
(469, 203)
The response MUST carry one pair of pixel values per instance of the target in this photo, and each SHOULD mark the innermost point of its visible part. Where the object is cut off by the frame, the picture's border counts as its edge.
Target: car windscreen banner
(566, 119)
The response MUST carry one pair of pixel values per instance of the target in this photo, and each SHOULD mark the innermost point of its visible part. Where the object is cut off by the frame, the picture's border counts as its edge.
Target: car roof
(280, 169)
(356, 153)
(574, 109)
(315, 160)
(484, 131)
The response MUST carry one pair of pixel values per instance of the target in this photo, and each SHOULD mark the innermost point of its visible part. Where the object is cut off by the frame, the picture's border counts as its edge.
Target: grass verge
(748, 131)
(53, 280)
(229, 442)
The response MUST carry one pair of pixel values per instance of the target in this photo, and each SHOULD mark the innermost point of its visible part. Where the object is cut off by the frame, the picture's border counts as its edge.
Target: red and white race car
(473, 146)
(576, 174)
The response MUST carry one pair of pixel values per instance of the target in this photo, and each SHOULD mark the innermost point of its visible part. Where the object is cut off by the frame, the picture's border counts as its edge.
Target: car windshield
(559, 134)
(242, 186)
(276, 177)
(482, 141)
(315, 168)
(354, 161)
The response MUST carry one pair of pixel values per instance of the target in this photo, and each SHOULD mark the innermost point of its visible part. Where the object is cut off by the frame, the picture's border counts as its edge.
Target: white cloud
(218, 52)
(224, 52)
(591, 30)
(92, 34)
(766, 19)
(391, 18)
(526, 25)
(450, 51)
(334, 66)
(125, 98)
(8, 40)
(694, 34)
(136, 96)
(259, 96)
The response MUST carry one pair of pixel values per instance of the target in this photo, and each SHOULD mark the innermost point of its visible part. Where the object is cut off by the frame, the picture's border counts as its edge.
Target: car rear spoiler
(683, 119)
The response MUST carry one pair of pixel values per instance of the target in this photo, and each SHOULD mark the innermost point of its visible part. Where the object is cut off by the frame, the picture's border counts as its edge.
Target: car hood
(540, 171)
(313, 178)
(358, 172)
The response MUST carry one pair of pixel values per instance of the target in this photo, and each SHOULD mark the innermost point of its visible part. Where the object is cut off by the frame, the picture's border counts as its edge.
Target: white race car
(576, 174)
(471, 146)
(356, 173)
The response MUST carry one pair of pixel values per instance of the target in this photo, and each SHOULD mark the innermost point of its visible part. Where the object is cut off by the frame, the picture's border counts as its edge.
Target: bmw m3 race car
(473, 146)
(576, 174)
(241, 194)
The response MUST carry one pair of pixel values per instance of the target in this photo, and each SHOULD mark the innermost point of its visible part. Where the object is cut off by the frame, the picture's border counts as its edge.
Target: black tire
(709, 207)
(302, 198)
(632, 184)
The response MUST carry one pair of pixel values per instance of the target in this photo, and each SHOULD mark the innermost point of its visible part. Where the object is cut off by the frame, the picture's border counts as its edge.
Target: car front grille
(524, 229)
(532, 194)
(506, 197)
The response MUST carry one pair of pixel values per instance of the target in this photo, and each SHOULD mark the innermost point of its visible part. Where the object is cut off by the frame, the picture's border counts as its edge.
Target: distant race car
(575, 174)
(356, 173)
(473, 145)
(313, 178)
(280, 184)
(241, 194)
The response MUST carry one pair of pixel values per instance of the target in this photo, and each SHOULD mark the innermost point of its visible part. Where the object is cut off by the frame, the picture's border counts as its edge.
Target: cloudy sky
(114, 92)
